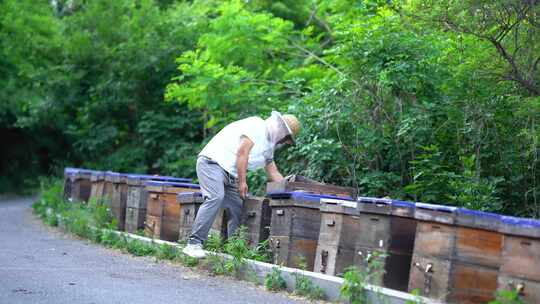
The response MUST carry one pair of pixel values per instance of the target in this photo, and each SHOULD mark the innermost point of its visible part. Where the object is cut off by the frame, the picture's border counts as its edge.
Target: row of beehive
(450, 254)
(165, 207)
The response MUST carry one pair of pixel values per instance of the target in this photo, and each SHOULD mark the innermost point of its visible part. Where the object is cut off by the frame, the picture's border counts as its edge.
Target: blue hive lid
(160, 178)
(434, 207)
(171, 184)
(374, 200)
(404, 204)
(477, 213)
(305, 196)
(521, 222)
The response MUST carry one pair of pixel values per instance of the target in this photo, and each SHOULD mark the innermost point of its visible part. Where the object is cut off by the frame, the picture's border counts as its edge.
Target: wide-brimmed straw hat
(293, 124)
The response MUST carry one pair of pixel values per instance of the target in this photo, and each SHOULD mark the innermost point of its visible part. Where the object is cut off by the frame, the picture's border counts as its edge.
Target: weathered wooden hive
(300, 183)
(256, 215)
(68, 181)
(81, 185)
(387, 232)
(295, 227)
(108, 187)
(119, 199)
(339, 230)
(98, 185)
(137, 198)
(520, 263)
(456, 263)
(163, 210)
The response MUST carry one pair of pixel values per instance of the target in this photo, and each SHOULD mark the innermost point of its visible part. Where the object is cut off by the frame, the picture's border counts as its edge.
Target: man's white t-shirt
(223, 147)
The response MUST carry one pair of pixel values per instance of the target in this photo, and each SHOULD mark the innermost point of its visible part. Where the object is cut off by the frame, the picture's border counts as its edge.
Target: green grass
(274, 281)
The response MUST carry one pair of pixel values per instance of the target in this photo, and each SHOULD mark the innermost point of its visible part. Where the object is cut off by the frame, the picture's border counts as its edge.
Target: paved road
(39, 264)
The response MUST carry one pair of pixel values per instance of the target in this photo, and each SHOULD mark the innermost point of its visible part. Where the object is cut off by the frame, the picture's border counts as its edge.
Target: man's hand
(243, 189)
(241, 165)
(272, 172)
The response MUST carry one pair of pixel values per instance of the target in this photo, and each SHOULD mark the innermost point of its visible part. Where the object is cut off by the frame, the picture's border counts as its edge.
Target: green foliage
(305, 287)
(166, 252)
(356, 279)
(274, 281)
(507, 297)
(214, 242)
(433, 101)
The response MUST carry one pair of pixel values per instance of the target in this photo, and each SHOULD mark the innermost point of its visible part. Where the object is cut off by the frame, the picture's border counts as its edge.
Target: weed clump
(274, 281)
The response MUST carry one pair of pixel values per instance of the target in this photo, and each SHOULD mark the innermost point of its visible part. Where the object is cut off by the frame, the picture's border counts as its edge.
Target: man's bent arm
(242, 158)
(272, 172)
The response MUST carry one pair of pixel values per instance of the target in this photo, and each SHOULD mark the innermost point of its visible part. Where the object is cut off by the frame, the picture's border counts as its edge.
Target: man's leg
(211, 179)
(233, 203)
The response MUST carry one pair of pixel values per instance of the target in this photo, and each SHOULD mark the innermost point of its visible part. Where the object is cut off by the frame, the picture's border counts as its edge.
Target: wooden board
(287, 186)
(152, 226)
(364, 256)
(452, 281)
(478, 246)
(118, 203)
(293, 252)
(107, 192)
(81, 189)
(471, 284)
(96, 192)
(521, 258)
(120, 215)
(134, 219)
(435, 240)
(434, 283)
(187, 218)
(137, 197)
(530, 290)
(153, 205)
(256, 216)
(375, 231)
(333, 260)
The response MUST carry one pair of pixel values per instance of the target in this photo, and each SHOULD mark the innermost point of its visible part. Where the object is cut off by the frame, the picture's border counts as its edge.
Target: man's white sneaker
(194, 251)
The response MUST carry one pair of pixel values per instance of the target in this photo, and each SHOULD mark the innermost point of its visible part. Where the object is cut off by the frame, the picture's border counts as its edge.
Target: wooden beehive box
(520, 263)
(108, 187)
(81, 185)
(448, 263)
(137, 197)
(190, 203)
(136, 201)
(98, 185)
(387, 227)
(119, 199)
(256, 216)
(68, 182)
(163, 210)
(337, 237)
(299, 183)
(295, 227)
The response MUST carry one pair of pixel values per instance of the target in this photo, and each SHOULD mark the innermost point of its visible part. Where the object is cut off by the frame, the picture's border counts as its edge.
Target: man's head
(282, 129)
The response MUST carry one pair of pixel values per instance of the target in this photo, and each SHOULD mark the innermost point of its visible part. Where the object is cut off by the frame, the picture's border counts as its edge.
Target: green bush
(274, 281)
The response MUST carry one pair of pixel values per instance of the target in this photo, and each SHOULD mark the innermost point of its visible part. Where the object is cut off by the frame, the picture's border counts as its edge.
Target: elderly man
(222, 164)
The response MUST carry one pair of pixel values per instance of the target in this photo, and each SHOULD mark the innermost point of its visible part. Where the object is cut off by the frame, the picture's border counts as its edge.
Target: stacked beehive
(137, 198)
(450, 254)
(520, 263)
(457, 264)
(163, 211)
(255, 217)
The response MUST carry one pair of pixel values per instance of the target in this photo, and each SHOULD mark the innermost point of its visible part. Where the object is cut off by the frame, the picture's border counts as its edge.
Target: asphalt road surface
(39, 264)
